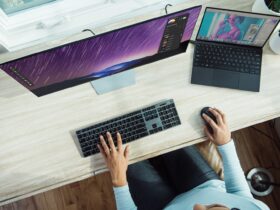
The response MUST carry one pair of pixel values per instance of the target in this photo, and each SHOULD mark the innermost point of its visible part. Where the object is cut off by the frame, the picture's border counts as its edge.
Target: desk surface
(38, 152)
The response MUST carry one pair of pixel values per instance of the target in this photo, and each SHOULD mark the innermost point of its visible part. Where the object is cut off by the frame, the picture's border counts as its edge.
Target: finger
(208, 134)
(104, 146)
(111, 142)
(217, 115)
(222, 114)
(102, 151)
(210, 122)
(119, 140)
(126, 152)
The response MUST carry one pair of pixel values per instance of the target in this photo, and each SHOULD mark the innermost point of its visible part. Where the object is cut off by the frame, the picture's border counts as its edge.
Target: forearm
(123, 198)
(234, 176)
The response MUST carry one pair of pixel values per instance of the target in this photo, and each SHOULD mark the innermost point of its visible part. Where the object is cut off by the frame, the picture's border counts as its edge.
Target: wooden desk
(38, 152)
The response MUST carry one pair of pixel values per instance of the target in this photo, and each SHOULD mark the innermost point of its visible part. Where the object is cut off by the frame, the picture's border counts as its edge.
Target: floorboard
(257, 150)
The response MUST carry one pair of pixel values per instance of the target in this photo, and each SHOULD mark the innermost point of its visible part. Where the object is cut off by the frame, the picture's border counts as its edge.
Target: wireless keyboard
(131, 126)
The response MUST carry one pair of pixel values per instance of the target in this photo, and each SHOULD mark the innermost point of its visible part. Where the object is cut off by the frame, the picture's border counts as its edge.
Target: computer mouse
(206, 111)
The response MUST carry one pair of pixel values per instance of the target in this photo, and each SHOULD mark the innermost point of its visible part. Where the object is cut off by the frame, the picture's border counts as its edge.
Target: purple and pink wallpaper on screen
(96, 57)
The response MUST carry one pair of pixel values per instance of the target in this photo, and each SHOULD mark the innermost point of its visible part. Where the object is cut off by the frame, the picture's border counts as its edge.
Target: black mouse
(206, 111)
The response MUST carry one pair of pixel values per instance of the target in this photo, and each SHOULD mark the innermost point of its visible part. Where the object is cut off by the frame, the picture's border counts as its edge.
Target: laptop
(228, 48)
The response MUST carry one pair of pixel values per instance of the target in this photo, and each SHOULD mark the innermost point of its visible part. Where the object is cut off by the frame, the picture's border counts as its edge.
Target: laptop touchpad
(223, 78)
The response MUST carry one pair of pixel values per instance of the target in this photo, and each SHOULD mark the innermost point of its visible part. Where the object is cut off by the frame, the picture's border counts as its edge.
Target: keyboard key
(229, 58)
(131, 126)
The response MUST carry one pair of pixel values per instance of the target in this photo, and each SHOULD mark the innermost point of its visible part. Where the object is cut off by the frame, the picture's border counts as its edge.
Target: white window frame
(65, 17)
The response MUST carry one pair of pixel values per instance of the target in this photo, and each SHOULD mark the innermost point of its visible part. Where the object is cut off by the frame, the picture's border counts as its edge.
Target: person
(229, 28)
(187, 181)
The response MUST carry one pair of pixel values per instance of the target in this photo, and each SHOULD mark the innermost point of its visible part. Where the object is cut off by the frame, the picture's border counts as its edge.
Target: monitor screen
(104, 54)
(236, 27)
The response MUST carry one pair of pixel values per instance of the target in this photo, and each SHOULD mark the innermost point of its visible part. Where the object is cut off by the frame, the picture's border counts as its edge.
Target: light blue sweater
(233, 192)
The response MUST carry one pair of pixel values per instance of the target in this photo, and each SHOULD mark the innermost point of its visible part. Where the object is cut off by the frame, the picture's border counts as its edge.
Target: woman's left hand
(116, 159)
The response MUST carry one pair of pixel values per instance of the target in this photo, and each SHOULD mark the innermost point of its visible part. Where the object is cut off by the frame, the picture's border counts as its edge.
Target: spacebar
(225, 67)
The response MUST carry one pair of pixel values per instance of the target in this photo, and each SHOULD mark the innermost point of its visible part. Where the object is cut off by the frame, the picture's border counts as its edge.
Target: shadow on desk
(10, 89)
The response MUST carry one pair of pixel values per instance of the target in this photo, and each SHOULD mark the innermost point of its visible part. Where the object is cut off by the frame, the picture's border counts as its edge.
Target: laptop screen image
(105, 54)
(236, 27)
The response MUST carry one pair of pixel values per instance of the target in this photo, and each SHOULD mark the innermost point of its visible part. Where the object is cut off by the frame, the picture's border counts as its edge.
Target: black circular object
(206, 111)
(259, 180)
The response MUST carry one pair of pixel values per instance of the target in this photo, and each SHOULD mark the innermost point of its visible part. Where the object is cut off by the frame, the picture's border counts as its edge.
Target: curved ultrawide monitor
(105, 54)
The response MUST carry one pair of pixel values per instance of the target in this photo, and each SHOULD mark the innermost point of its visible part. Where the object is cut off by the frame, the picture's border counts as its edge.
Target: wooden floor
(254, 150)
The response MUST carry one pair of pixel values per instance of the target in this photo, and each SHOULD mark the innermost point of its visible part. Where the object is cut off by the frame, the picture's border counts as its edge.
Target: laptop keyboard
(131, 126)
(238, 59)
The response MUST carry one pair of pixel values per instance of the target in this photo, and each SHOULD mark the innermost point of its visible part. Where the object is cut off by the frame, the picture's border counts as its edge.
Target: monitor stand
(114, 82)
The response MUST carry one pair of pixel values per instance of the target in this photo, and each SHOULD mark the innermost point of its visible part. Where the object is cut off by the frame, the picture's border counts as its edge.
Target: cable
(260, 131)
(273, 122)
(266, 182)
(273, 139)
(268, 136)
(276, 168)
(167, 5)
(89, 31)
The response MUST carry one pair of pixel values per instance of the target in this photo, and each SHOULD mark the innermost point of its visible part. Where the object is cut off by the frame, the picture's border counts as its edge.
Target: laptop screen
(236, 27)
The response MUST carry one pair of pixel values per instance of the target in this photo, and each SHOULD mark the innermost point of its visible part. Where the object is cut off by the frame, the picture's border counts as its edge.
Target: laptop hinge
(225, 43)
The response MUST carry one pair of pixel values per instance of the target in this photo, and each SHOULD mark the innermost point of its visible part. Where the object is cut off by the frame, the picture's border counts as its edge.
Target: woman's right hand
(221, 134)
(116, 159)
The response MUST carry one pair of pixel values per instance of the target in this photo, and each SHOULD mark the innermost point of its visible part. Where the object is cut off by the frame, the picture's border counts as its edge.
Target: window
(13, 6)
(25, 23)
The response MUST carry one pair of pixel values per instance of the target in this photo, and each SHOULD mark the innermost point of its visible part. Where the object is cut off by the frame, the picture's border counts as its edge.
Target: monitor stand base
(114, 82)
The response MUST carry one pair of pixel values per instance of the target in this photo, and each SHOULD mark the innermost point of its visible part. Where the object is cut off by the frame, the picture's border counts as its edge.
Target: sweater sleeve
(234, 176)
(123, 198)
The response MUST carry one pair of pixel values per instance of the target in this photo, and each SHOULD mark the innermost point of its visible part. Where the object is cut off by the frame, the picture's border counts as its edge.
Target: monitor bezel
(41, 91)
(248, 45)
(44, 90)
